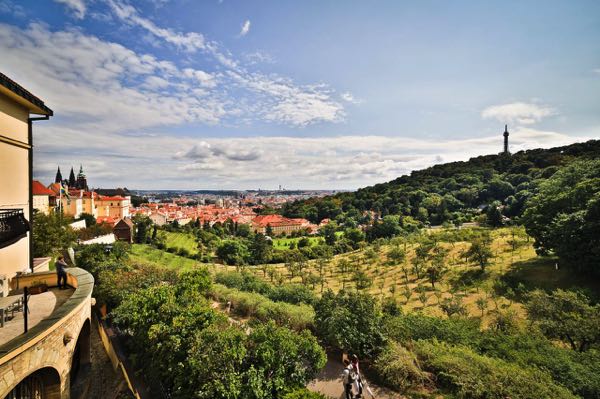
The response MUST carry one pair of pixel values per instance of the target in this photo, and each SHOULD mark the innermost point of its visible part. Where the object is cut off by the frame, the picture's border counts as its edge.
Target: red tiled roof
(39, 189)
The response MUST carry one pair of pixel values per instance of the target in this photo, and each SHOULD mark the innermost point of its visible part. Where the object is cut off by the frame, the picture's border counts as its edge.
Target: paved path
(329, 382)
(40, 307)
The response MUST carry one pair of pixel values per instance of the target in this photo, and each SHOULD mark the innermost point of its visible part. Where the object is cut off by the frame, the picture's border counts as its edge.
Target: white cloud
(77, 7)
(518, 112)
(279, 99)
(189, 42)
(245, 28)
(349, 97)
(157, 161)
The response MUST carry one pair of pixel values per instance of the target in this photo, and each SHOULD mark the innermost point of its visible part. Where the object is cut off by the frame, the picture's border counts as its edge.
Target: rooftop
(33, 103)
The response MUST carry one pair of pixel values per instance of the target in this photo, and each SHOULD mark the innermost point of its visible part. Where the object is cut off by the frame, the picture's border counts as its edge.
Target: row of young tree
(553, 192)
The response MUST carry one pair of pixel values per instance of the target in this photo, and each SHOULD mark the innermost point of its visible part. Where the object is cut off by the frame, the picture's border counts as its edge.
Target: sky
(223, 94)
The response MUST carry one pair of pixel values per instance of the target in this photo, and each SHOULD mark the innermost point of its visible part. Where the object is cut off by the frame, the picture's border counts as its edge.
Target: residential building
(123, 230)
(44, 199)
(48, 357)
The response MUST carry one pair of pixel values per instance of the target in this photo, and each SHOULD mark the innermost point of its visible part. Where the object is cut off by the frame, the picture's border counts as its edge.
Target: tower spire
(58, 178)
(506, 139)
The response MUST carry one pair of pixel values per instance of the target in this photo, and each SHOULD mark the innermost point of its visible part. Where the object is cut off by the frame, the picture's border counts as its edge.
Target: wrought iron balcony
(13, 226)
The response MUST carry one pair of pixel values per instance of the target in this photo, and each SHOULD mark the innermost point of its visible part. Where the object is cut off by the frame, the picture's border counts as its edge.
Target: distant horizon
(284, 189)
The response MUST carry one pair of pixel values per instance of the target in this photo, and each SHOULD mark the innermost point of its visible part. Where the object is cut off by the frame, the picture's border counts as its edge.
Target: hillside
(452, 192)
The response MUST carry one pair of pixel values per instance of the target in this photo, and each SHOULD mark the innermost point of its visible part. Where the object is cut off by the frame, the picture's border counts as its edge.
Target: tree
(232, 252)
(479, 252)
(329, 233)
(566, 315)
(343, 266)
(361, 279)
(351, 322)
(564, 216)
(260, 249)
(51, 234)
(90, 220)
(396, 255)
(482, 305)
(269, 231)
(142, 228)
(493, 215)
(355, 237)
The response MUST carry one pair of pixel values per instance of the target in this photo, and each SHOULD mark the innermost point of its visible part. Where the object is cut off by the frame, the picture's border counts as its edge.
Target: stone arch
(81, 361)
(42, 383)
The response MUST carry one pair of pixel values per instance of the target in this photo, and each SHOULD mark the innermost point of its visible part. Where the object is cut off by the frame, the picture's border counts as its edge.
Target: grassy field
(284, 243)
(143, 253)
(510, 267)
(461, 279)
(181, 240)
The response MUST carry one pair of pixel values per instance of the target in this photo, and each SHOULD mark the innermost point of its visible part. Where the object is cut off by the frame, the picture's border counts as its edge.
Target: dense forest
(451, 192)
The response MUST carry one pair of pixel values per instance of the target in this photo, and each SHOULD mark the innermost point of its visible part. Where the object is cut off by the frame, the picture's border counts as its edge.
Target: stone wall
(48, 347)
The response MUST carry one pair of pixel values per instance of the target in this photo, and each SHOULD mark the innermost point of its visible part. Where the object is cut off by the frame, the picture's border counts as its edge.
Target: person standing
(61, 273)
(348, 379)
(358, 382)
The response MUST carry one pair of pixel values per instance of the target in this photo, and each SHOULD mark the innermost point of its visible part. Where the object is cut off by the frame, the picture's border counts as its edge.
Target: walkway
(328, 382)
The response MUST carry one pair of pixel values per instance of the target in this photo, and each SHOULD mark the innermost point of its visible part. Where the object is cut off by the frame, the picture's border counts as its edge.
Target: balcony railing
(13, 226)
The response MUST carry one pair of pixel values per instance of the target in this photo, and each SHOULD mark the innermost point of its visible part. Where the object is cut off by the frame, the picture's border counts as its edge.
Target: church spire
(72, 180)
(58, 178)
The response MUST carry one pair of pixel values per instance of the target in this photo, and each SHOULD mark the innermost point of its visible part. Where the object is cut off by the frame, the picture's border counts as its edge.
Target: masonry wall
(52, 345)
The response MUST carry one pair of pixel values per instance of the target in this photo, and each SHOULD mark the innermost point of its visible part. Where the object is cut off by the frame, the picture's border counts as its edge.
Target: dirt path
(329, 383)
(106, 383)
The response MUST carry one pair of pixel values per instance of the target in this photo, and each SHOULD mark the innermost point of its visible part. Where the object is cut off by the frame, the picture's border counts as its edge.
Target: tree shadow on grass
(467, 279)
(541, 273)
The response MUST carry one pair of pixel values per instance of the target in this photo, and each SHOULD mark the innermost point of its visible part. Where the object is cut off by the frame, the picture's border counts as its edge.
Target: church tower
(81, 179)
(506, 140)
(72, 181)
(58, 178)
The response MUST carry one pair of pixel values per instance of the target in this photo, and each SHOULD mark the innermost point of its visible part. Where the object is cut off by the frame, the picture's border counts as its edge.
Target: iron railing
(13, 226)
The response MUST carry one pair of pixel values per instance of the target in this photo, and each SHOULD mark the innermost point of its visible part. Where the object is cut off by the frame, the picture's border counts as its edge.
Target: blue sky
(312, 94)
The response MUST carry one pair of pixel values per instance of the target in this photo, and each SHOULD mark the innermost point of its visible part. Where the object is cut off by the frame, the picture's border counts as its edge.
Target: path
(328, 382)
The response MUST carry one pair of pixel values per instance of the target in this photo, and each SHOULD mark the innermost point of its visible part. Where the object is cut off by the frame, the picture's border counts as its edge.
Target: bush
(303, 393)
(415, 326)
(251, 304)
(470, 375)
(398, 368)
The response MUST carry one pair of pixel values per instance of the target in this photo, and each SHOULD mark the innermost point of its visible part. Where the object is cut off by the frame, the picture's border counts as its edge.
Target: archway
(80, 363)
(41, 384)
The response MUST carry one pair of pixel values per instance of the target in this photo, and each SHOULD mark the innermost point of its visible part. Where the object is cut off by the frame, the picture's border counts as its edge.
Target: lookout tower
(506, 140)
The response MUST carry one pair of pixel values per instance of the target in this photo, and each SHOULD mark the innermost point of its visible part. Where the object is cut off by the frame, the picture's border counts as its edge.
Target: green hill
(453, 192)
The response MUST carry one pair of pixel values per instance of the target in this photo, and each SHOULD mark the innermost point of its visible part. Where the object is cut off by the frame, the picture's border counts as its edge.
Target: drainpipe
(30, 159)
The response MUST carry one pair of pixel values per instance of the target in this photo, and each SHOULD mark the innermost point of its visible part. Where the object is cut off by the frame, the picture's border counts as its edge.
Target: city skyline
(236, 95)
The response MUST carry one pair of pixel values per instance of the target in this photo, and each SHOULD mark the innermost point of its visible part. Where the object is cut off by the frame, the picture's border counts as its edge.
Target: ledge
(81, 280)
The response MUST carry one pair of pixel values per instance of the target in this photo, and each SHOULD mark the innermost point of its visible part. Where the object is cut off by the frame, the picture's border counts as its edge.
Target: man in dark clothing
(61, 274)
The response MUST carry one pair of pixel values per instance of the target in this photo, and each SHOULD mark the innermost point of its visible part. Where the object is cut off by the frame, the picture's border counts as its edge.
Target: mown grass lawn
(144, 253)
(284, 243)
(182, 240)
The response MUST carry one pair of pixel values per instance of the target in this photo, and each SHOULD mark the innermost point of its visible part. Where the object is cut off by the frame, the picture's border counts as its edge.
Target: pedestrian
(61, 274)
(358, 383)
(348, 378)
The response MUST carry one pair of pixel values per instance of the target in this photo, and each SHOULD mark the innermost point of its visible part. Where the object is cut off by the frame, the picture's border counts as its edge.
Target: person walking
(348, 378)
(61, 273)
(358, 382)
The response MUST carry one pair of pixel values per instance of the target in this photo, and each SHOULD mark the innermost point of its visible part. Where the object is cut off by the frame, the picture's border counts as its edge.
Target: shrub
(251, 304)
(470, 375)
(415, 326)
(303, 393)
(398, 368)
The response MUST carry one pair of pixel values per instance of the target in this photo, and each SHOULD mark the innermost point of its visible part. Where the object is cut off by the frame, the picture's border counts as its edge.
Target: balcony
(54, 353)
(13, 226)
